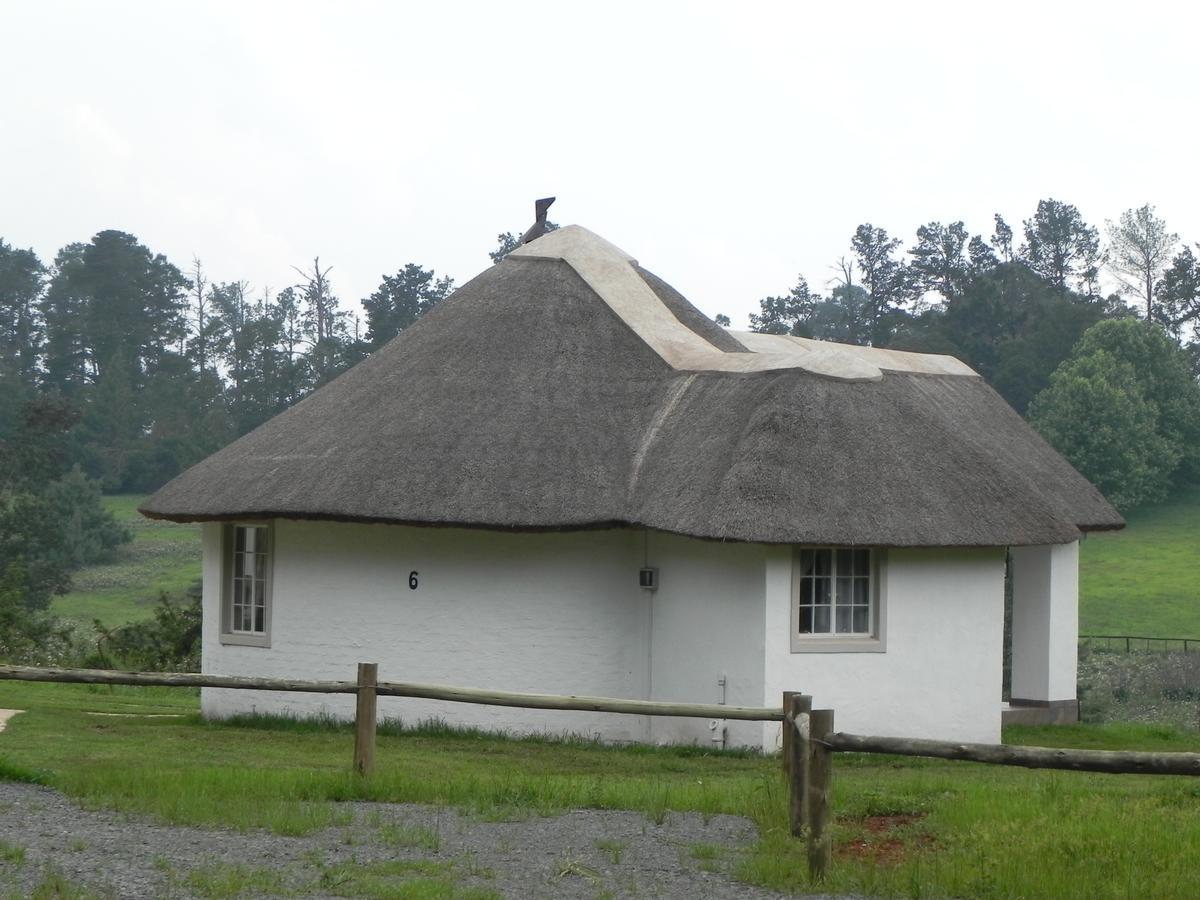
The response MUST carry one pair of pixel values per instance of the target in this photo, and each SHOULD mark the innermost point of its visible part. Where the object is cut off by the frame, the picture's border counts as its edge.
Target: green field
(1145, 580)
(163, 556)
(913, 828)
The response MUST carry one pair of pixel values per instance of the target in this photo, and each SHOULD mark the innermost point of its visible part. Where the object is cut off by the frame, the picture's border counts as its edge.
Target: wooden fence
(809, 764)
(368, 687)
(809, 740)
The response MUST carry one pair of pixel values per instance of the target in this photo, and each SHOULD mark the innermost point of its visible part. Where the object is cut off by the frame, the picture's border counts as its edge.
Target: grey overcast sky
(727, 146)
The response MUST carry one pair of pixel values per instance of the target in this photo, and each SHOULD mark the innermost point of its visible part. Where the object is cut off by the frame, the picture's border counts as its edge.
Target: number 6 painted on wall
(412, 581)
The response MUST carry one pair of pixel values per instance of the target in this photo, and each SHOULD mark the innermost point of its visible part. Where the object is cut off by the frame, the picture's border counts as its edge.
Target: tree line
(1112, 386)
(119, 369)
(163, 366)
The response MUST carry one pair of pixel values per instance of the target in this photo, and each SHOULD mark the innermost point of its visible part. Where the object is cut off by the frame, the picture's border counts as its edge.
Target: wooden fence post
(796, 761)
(364, 719)
(787, 732)
(820, 784)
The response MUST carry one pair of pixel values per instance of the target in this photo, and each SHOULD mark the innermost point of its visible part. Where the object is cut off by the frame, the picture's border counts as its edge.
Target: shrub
(170, 642)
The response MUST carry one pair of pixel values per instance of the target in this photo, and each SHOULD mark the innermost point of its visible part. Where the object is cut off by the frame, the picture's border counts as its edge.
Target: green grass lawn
(1145, 580)
(902, 827)
(163, 556)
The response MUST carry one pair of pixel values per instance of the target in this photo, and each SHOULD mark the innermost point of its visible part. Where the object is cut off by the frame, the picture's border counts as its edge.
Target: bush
(48, 531)
(31, 637)
(170, 642)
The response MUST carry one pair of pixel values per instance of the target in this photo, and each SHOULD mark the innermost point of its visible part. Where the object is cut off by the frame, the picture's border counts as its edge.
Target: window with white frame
(246, 613)
(836, 599)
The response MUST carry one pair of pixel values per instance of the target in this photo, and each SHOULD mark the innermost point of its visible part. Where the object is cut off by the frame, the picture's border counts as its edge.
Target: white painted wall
(708, 623)
(557, 613)
(940, 676)
(1045, 641)
(562, 613)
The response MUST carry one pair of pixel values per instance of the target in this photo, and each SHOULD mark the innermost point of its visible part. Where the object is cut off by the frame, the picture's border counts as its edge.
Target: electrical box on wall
(648, 579)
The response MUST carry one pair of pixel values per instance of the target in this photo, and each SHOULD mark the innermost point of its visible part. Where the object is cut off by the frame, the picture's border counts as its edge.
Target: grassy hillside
(162, 557)
(1146, 579)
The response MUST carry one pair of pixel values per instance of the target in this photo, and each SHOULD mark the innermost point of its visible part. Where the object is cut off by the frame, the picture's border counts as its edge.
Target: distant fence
(1127, 643)
(809, 740)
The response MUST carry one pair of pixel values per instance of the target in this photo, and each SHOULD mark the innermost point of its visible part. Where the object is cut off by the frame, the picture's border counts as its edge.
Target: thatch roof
(568, 388)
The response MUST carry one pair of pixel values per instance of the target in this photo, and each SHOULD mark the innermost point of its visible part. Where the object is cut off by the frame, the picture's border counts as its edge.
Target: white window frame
(228, 543)
(872, 642)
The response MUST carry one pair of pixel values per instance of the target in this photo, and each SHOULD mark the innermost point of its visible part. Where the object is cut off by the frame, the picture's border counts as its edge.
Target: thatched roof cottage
(821, 517)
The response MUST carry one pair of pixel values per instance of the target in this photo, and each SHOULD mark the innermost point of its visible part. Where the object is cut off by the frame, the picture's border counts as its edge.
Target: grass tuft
(612, 848)
(11, 771)
(11, 855)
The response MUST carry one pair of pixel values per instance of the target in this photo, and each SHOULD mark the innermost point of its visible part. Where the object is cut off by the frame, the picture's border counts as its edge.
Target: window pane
(823, 560)
(861, 619)
(239, 565)
(821, 620)
(844, 564)
(845, 590)
(806, 562)
(806, 591)
(239, 539)
(806, 619)
(258, 619)
(862, 591)
(821, 589)
(862, 562)
(260, 566)
(843, 619)
(251, 542)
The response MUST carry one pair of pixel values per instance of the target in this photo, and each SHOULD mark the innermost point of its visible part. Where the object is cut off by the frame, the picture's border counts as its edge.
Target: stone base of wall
(1039, 712)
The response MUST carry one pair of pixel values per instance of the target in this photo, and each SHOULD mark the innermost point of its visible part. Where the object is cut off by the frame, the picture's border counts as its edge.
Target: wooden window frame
(228, 543)
(833, 642)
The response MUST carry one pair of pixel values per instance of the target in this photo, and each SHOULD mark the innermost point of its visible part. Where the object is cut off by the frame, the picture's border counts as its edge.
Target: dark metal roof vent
(538, 228)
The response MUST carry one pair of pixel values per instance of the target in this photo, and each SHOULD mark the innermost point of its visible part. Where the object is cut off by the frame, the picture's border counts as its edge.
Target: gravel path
(582, 854)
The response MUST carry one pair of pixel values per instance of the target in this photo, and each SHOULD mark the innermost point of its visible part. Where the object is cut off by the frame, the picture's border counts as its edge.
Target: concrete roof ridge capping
(611, 273)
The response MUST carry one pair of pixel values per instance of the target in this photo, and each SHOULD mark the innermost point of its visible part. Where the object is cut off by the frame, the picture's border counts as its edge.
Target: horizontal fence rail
(1130, 642)
(581, 702)
(402, 689)
(1127, 762)
(174, 679)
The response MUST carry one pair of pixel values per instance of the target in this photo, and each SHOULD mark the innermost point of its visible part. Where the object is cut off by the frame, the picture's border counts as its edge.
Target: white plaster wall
(708, 623)
(555, 613)
(940, 676)
(1045, 642)
(562, 613)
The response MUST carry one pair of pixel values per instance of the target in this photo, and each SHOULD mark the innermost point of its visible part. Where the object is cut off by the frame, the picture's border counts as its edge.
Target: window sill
(246, 640)
(838, 645)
